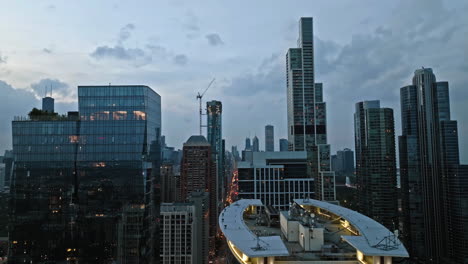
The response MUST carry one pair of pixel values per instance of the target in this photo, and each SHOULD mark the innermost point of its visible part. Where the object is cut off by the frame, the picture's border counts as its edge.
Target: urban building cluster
(101, 185)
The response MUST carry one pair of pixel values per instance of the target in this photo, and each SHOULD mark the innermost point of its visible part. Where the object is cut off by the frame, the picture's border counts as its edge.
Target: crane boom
(199, 97)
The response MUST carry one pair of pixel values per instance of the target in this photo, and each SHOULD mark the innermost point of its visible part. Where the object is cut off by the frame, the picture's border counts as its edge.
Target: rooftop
(231, 222)
(260, 159)
(197, 141)
(373, 239)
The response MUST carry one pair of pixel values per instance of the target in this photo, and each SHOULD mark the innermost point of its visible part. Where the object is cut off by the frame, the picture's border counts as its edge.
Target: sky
(364, 50)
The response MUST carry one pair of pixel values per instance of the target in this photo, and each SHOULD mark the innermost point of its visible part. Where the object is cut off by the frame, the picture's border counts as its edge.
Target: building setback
(376, 163)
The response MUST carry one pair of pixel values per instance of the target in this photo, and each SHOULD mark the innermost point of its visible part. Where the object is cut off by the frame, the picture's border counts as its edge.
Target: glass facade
(433, 227)
(376, 163)
(307, 123)
(73, 176)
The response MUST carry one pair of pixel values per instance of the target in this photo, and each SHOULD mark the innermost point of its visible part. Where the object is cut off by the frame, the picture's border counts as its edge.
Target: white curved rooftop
(372, 234)
(232, 225)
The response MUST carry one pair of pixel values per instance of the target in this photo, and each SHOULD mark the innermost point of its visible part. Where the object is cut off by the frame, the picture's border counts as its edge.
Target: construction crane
(199, 97)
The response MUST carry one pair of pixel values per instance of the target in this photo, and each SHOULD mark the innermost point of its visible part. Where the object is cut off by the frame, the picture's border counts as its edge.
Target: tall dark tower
(307, 126)
(376, 163)
(432, 179)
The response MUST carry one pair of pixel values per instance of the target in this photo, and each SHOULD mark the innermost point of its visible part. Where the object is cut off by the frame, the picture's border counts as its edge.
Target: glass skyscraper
(376, 163)
(435, 225)
(74, 174)
(214, 111)
(269, 138)
(307, 111)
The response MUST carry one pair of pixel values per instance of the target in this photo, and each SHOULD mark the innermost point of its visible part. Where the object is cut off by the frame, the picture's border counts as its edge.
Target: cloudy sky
(364, 50)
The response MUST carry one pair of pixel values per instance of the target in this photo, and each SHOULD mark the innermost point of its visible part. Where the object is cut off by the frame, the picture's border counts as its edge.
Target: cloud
(61, 91)
(191, 25)
(180, 59)
(46, 50)
(13, 102)
(214, 39)
(125, 32)
(119, 52)
(3, 59)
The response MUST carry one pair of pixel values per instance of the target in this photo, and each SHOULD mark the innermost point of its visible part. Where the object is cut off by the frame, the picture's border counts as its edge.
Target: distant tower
(269, 138)
(255, 145)
(247, 144)
(283, 144)
(48, 104)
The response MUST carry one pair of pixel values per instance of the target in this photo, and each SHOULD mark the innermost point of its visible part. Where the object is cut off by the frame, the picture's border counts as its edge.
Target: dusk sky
(364, 50)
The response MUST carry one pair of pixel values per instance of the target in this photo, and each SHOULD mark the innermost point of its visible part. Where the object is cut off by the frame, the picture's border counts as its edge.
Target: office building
(283, 144)
(344, 161)
(73, 174)
(168, 183)
(214, 111)
(182, 225)
(255, 144)
(8, 169)
(269, 138)
(247, 144)
(130, 234)
(48, 104)
(434, 229)
(198, 173)
(376, 163)
(275, 178)
(318, 231)
(306, 109)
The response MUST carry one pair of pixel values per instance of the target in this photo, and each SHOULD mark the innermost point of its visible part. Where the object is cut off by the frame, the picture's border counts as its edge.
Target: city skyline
(130, 50)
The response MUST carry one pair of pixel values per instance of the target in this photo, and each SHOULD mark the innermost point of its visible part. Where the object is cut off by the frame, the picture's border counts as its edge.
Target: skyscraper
(269, 138)
(73, 174)
(214, 131)
(376, 162)
(431, 176)
(255, 144)
(307, 111)
(247, 144)
(345, 161)
(283, 144)
(198, 173)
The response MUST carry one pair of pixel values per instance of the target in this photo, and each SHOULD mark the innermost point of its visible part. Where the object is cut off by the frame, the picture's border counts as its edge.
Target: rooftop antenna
(199, 97)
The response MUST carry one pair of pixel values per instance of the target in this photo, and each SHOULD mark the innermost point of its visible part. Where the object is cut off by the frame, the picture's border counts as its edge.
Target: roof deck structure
(312, 232)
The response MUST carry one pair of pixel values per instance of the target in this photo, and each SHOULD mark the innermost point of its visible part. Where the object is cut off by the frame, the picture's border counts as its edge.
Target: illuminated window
(73, 139)
(119, 115)
(139, 115)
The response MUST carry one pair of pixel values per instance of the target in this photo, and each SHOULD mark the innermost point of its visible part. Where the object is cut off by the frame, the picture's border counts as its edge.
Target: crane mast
(199, 98)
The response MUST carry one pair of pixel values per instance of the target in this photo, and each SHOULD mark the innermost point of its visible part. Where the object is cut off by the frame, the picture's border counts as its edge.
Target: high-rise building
(48, 104)
(129, 234)
(177, 233)
(269, 138)
(345, 161)
(376, 162)
(214, 110)
(307, 110)
(184, 231)
(276, 178)
(198, 173)
(283, 144)
(8, 169)
(255, 144)
(434, 229)
(247, 144)
(74, 174)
